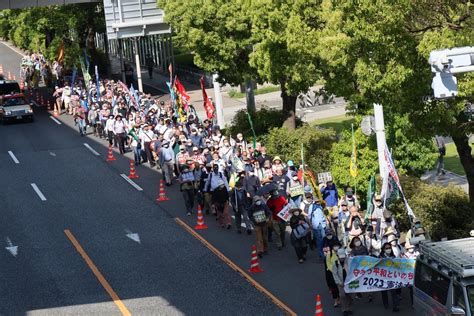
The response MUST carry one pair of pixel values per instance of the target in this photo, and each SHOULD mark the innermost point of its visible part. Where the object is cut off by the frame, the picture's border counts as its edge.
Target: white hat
(341, 253)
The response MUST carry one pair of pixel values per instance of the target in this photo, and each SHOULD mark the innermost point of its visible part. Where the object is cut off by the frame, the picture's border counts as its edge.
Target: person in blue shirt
(331, 197)
(166, 159)
(317, 222)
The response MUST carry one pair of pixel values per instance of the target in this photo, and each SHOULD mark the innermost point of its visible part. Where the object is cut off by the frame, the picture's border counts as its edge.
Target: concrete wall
(18, 4)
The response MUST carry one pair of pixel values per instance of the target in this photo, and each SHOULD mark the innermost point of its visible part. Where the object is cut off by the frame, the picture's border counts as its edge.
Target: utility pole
(137, 65)
(380, 134)
(218, 101)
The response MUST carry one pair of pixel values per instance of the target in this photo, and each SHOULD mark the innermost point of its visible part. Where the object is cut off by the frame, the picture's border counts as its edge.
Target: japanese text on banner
(369, 274)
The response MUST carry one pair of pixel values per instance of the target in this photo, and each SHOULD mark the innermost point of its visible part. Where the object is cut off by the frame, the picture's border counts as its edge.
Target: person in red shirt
(276, 203)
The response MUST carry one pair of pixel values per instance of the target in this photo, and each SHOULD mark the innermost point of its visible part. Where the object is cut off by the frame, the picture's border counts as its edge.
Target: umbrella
(266, 189)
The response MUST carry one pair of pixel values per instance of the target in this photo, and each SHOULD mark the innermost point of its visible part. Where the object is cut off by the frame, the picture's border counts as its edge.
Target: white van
(444, 278)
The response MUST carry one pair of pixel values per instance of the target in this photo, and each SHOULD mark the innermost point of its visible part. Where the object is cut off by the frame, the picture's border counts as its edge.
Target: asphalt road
(169, 272)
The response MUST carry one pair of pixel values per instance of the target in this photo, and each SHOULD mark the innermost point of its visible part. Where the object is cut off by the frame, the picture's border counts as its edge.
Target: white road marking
(55, 120)
(13, 157)
(133, 184)
(11, 248)
(13, 49)
(52, 154)
(91, 149)
(133, 236)
(41, 196)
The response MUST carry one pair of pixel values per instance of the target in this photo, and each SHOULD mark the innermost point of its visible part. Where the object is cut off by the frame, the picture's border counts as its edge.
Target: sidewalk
(232, 105)
(444, 180)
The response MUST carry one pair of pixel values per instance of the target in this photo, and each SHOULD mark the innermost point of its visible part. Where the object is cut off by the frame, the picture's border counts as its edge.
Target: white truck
(444, 278)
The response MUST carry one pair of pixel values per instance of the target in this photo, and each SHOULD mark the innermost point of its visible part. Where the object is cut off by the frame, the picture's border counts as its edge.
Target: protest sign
(369, 274)
(296, 190)
(324, 177)
(285, 214)
(237, 163)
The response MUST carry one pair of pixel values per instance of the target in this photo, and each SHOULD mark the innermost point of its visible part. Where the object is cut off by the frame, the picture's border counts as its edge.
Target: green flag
(370, 194)
(253, 131)
(392, 192)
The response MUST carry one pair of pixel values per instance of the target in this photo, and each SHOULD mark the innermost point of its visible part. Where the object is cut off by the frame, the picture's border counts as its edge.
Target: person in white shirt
(119, 133)
(109, 130)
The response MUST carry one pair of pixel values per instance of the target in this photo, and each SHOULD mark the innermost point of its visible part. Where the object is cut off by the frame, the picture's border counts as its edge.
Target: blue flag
(134, 94)
(97, 82)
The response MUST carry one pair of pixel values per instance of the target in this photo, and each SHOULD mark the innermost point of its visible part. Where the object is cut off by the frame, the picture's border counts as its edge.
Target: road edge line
(116, 299)
(92, 150)
(55, 120)
(133, 184)
(38, 192)
(235, 267)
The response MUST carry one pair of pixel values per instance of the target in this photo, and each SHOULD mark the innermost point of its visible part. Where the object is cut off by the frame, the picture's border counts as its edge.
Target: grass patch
(337, 123)
(452, 161)
(233, 93)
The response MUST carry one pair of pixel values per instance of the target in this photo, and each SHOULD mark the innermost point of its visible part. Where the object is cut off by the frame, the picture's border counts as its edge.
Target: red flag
(208, 106)
(182, 93)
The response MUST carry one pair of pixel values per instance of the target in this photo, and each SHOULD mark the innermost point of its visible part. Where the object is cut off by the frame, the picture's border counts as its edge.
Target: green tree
(284, 53)
(260, 40)
(377, 51)
(43, 29)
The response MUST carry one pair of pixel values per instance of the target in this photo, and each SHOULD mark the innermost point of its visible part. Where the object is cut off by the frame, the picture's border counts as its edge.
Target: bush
(316, 142)
(444, 211)
(263, 120)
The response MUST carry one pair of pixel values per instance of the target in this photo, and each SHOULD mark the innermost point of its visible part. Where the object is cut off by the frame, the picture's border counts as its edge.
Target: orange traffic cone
(14, 77)
(200, 220)
(254, 265)
(110, 157)
(55, 113)
(319, 306)
(133, 174)
(9, 76)
(162, 195)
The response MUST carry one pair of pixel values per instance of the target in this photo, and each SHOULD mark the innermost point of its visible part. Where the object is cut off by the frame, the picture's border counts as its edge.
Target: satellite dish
(368, 125)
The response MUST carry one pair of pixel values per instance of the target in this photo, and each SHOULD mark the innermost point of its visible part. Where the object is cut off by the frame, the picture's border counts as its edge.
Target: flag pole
(353, 153)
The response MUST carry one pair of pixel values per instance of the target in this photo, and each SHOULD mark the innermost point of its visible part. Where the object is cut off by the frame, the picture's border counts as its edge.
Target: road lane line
(13, 157)
(133, 184)
(97, 273)
(41, 195)
(55, 120)
(235, 267)
(19, 52)
(91, 149)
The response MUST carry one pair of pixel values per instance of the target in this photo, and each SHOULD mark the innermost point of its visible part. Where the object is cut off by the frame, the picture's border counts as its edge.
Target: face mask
(258, 203)
(417, 225)
(379, 204)
(194, 133)
(357, 243)
(309, 201)
(411, 250)
(182, 150)
(393, 243)
(295, 178)
(388, 251)
(329, 236)
(349, 193)
(166, 146)
(250, 174)
(296, 213)
(226, 145)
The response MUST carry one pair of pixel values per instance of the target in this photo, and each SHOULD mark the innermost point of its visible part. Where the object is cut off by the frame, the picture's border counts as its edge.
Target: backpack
(301, 230)
(208, 187)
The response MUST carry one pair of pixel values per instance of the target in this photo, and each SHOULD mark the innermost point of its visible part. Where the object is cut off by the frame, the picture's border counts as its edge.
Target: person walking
(276, 203)
(300, 231)
(240, 204)
(119, 133)
(387, 252)
(166, 160)
(441, 153)
(187, 188)
(259, 214)
(150, 63)
(339, 273)
(318, 223)
(219, 188)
